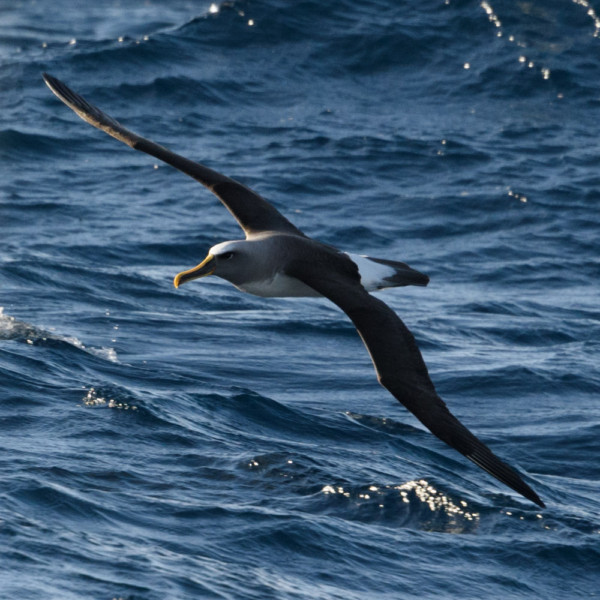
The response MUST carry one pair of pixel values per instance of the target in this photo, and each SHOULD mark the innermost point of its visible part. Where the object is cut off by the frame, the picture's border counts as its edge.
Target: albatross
(276, 259)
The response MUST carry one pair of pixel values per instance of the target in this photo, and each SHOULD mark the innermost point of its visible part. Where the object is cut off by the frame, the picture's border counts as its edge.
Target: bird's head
(228, 260)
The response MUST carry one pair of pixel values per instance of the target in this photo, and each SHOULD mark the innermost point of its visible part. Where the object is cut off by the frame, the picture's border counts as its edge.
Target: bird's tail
(402, 275)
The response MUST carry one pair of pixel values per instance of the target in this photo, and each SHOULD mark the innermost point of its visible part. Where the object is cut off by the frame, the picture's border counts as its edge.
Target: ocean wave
(14, 329)
(205, 443)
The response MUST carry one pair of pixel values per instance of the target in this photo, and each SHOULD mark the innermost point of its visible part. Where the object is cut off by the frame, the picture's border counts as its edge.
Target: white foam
(106, 353)
(93, 398)
(12, 329)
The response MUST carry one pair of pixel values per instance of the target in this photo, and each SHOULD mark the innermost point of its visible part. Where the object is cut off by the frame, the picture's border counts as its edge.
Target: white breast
(280, 286)
(372, 274)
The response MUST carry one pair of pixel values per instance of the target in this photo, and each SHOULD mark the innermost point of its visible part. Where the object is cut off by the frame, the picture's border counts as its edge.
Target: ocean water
(201, 443)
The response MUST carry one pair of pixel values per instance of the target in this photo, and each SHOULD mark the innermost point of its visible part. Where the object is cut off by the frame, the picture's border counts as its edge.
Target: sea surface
(160, 443)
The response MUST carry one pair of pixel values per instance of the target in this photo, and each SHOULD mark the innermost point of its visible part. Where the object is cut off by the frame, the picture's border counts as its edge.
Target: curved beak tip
(205, 268)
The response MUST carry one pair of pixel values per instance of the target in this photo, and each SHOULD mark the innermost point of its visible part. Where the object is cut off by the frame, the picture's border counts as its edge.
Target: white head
(236, 261)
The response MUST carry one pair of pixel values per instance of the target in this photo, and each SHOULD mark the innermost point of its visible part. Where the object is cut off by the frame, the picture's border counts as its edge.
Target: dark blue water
(201, 443)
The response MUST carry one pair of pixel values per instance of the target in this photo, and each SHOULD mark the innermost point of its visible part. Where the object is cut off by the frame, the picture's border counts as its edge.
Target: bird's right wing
(401, 369)
(251, 211)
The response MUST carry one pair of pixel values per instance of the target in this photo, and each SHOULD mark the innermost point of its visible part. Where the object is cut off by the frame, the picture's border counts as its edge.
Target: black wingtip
(64, 93)
(483, 457)
(51, 81)
(535, 498)
(528, 493)
(61, 91)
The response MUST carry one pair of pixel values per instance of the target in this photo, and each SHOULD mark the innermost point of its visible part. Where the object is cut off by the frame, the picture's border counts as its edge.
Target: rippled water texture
(200, 443)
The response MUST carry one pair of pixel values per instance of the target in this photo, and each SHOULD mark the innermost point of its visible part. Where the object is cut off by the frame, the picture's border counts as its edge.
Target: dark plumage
(277, 259)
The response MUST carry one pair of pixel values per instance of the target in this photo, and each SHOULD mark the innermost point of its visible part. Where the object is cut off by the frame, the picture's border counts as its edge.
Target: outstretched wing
(401, 369)
(251, 211)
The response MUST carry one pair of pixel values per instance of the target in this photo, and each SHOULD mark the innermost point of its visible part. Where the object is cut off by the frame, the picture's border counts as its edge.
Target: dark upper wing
(252, 212)
(400, 367)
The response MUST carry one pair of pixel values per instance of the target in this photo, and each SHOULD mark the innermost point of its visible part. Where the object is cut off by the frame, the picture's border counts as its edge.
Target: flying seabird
(278, 260)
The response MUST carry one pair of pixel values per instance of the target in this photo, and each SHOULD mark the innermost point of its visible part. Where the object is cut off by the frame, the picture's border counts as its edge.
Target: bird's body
(260, 264)
(258, 277)
(278, 260)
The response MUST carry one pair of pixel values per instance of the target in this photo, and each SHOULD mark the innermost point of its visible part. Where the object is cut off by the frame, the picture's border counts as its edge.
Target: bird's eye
(226, 255)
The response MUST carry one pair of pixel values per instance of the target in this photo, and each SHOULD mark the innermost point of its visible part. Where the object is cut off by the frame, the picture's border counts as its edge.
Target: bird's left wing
(251, 211)
(400, 366)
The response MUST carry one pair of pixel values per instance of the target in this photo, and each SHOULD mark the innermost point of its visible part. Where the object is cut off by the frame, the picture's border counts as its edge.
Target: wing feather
(401, 369)
(253, 213)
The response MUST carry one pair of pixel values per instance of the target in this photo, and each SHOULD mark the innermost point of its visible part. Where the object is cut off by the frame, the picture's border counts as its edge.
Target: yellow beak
(206, 267)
